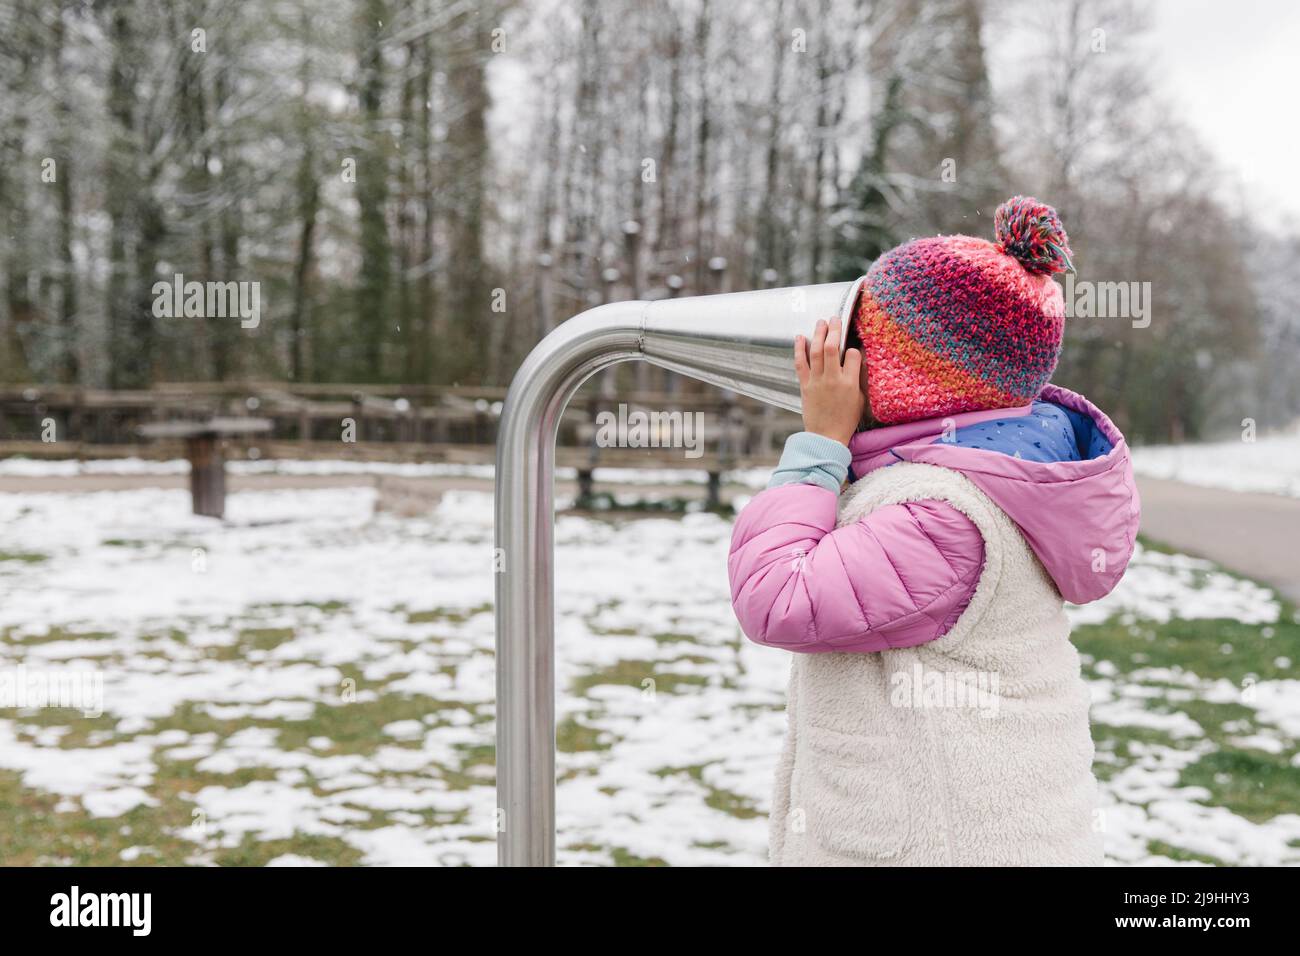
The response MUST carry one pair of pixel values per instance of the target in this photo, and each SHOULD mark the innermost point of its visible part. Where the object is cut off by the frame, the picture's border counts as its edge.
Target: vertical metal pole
(525, 585)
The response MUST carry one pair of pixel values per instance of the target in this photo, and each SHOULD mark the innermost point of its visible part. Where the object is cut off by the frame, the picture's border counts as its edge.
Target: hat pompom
(1031, 232)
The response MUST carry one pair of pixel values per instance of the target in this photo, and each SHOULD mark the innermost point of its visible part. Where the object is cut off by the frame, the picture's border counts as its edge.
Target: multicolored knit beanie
(956, 324)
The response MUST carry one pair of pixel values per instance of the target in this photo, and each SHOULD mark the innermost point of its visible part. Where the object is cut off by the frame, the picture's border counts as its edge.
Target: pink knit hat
(956, 324)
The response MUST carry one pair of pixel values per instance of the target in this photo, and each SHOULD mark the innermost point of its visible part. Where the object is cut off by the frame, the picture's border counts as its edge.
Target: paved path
(1254, 534)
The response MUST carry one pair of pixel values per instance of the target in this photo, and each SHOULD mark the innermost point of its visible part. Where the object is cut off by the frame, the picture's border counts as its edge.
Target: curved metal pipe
(525, 585)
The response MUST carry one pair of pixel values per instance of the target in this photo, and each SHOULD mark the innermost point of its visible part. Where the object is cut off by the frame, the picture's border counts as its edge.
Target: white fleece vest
(973, 749)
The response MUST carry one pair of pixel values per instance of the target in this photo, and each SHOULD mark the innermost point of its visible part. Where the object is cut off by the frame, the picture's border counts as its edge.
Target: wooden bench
(203, 449)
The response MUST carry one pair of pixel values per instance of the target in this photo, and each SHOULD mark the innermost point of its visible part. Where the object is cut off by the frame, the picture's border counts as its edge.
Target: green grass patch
(725, 801)
(254, 852)
(1250, 783)
(636, 673)
(624, 857)
(329, 607)
(1210, 649)
(265, 638)
(52, 635)
(35, 834)
(674, 637)
(450, 616)
(23, 557)
(1160, 848)
(356, 727)
(571, 736)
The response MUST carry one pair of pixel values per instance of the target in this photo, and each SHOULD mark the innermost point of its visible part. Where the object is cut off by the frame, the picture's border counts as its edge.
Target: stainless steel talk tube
(739, 341)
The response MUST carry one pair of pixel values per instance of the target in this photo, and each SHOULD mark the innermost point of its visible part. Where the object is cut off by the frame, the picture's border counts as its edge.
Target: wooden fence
(381, 422)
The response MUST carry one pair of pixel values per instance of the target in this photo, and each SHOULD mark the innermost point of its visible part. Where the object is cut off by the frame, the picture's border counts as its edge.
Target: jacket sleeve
(899, 577)
(811, 459)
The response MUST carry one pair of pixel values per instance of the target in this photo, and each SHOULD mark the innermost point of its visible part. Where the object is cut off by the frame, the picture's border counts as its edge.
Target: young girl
(936, 711)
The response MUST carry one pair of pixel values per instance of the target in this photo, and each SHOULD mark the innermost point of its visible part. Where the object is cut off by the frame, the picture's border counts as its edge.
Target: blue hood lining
(1049, 433)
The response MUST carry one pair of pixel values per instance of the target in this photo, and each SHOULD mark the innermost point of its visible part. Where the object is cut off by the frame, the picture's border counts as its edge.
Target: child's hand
(832, 394)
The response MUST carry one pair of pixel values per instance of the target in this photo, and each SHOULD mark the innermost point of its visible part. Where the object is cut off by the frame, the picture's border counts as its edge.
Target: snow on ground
(1158, 586)
(326, 671)
(1269, 464)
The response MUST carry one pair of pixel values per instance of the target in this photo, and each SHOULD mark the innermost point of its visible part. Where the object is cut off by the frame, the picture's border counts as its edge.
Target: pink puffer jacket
(902, 575)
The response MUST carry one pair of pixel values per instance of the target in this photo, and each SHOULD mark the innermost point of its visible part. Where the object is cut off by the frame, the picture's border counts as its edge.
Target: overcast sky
(1233, 68)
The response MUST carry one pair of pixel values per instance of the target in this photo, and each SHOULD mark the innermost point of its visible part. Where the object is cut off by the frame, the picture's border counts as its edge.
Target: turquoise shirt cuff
(811, 459)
